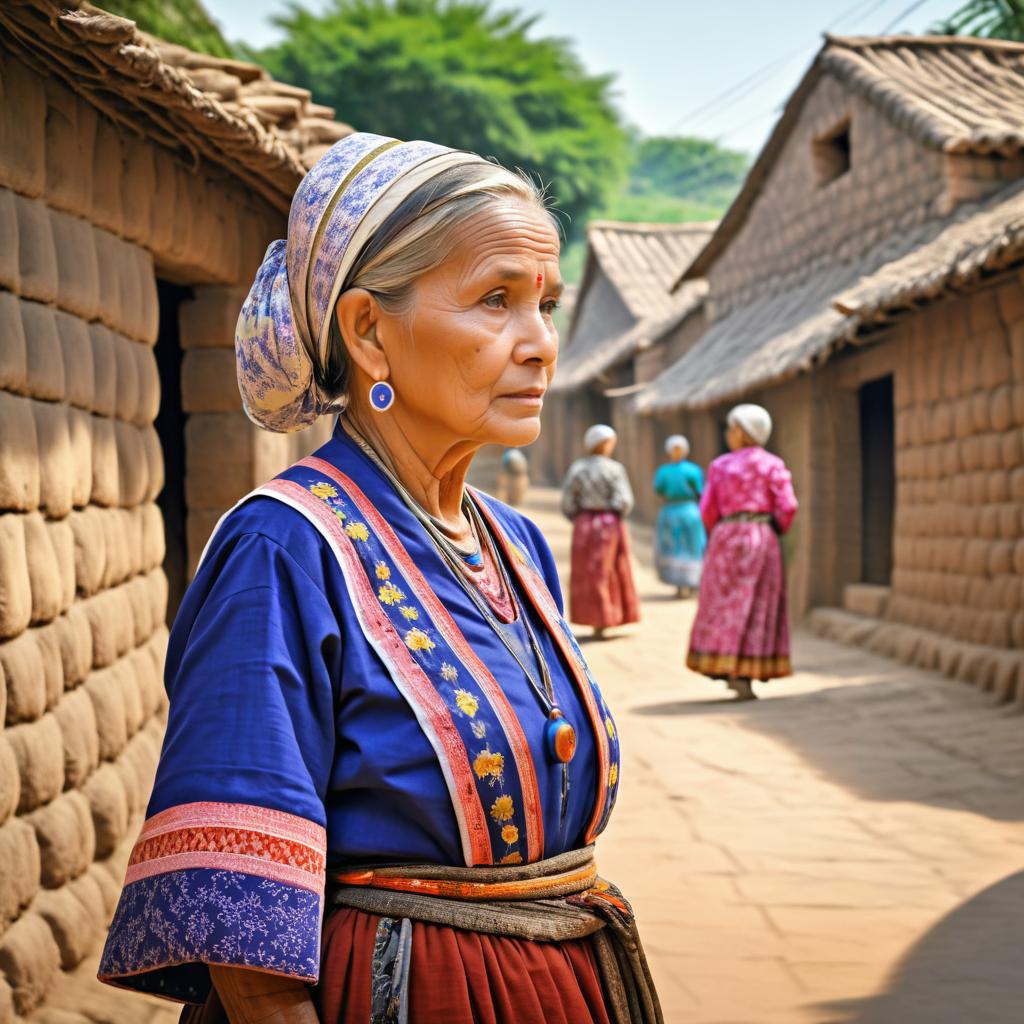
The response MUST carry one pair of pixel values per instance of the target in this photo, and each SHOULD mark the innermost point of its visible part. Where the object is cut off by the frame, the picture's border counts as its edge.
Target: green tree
(989, 19)
(698, 171)
(185, 22)
(462, 74)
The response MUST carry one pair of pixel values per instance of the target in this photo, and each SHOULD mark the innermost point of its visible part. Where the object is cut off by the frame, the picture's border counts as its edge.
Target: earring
(382, 396)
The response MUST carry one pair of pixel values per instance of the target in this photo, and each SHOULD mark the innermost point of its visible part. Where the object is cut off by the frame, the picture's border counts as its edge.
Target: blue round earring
(382, 396)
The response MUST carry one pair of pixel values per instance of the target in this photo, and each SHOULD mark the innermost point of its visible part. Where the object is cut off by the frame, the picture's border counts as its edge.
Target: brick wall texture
(89, 217)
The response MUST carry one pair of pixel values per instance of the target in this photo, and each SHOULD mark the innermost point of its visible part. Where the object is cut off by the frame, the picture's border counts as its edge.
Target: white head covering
(754, 420)
(677, 441)
(597, 434)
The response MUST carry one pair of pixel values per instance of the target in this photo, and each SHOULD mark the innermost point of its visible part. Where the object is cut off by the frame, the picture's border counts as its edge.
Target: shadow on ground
(966, 970)
(886, 732)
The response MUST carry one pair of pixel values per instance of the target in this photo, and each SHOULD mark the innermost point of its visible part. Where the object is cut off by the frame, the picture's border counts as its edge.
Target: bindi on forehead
(540, 280)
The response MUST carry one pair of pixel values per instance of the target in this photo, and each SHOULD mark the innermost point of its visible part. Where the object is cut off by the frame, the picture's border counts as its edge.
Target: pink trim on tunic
(742, 623)
(448, 628)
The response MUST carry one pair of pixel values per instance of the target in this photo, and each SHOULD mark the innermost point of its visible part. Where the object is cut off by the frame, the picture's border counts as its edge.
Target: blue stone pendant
(560, 736)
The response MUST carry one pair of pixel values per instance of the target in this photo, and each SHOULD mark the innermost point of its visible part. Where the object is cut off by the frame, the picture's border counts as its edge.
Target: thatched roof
(583, 363)
(229, 113)
(952, 93)
(642, 262)
(775, 338)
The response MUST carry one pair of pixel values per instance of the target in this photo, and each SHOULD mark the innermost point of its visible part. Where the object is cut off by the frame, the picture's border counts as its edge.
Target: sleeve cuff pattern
(217, 883)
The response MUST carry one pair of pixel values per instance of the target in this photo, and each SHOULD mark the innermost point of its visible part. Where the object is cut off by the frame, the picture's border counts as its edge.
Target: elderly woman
(386, 763)
(679, 533)
(741, 632)
(596, 496)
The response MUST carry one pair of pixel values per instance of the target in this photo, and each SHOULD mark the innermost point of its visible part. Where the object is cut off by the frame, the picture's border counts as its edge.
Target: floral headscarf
(283, 329)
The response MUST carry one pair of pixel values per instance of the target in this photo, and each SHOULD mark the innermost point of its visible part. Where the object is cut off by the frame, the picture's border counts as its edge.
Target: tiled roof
(776, 337)
(230, 113)
(643, 261)
(953, 93)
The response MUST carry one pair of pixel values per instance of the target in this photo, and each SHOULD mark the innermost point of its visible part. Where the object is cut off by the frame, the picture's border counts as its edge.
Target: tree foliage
(185, 22)
(989, 19)
(463, 74)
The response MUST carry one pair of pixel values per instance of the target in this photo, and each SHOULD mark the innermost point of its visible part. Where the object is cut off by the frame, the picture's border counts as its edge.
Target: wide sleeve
(622, 493)
(230, 865)
(784, 503)
(709, 510)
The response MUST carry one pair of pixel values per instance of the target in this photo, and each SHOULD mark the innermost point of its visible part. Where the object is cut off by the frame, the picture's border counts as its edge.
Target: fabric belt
(748, 517)
(553, 900)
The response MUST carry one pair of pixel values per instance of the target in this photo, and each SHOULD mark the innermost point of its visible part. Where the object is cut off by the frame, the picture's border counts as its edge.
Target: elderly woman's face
(476, 353)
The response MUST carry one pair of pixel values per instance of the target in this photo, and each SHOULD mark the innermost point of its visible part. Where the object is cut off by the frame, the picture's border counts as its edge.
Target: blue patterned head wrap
(283, 331)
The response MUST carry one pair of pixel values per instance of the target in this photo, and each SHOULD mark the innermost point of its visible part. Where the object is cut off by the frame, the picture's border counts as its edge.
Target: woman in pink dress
(741, 632)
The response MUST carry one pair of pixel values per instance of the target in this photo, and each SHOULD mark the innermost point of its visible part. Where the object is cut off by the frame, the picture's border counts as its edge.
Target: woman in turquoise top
(680, 538)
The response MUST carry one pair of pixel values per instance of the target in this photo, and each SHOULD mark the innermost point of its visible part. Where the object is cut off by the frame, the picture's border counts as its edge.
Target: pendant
(561, 737)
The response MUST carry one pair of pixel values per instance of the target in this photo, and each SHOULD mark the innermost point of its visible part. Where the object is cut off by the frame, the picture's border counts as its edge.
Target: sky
(720, 70)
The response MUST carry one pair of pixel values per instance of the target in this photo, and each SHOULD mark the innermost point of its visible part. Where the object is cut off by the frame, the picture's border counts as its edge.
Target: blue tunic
(289, 746)
(680, 538)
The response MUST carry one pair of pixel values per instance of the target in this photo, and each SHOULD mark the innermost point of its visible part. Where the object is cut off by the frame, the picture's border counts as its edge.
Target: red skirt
(601, 588)
(460, 977)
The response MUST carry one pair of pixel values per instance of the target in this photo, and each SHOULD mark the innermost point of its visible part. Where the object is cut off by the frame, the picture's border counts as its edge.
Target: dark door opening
(170, 428)
(878, 479)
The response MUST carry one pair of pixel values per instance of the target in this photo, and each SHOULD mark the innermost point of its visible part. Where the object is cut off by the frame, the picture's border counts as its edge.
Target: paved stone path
(849, 849)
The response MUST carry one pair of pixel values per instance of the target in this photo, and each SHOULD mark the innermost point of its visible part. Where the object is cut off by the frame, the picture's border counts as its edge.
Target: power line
(895, 21)
(729, 97)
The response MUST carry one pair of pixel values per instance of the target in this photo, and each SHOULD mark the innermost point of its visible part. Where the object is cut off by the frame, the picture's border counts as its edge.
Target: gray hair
(420, 235)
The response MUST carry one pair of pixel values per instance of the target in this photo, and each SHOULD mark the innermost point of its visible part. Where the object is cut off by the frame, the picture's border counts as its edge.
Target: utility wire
(895, 21)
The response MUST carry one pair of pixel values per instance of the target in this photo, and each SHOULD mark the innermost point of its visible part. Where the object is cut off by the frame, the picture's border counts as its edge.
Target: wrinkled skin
(469, 361)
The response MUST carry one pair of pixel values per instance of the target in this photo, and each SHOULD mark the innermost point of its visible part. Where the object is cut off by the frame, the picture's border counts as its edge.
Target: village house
(140, 184)
(626, 320)
(866, 287)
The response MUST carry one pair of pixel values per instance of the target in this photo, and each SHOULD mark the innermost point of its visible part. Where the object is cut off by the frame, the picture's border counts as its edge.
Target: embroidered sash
(607, 737)
(459, 705)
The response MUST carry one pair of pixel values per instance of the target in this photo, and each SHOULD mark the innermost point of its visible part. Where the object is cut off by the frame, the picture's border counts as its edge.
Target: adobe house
(624, 308)
(139, 187)
(866, 287)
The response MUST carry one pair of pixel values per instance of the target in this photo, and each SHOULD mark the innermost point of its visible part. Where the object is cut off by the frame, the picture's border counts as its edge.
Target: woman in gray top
(596, 496)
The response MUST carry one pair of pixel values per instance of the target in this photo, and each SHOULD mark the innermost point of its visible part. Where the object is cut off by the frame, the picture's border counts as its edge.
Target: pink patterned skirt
(601, 589)
(742, 624)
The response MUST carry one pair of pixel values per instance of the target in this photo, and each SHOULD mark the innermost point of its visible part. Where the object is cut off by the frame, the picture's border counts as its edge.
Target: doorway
(878, 479)
(170, 428)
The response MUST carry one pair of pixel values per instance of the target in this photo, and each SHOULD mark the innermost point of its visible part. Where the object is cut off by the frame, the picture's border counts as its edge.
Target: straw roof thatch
(229, 113)
(777, 337)
(642, 262)
(955, 94)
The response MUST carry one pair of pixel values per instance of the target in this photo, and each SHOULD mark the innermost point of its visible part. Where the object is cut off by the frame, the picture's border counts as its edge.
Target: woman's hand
(252, 997)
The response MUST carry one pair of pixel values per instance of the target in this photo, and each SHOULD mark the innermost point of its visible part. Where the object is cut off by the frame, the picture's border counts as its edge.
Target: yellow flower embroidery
(610, 726)
(409, 613)
(417, 640)
(479, 730)
(449, 672)
(510, 834)
(502, 809)
(613, 775)
(357, 531)
(468, 704)
(323, 489)
(488, 763)
(512, 858)
(383, 572)
(390, 594)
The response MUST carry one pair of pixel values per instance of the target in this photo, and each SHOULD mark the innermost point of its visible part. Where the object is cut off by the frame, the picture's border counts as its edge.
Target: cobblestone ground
(849, 849)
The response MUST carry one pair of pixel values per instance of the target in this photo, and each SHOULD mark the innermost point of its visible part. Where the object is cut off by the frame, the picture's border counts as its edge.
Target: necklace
(559, 734)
